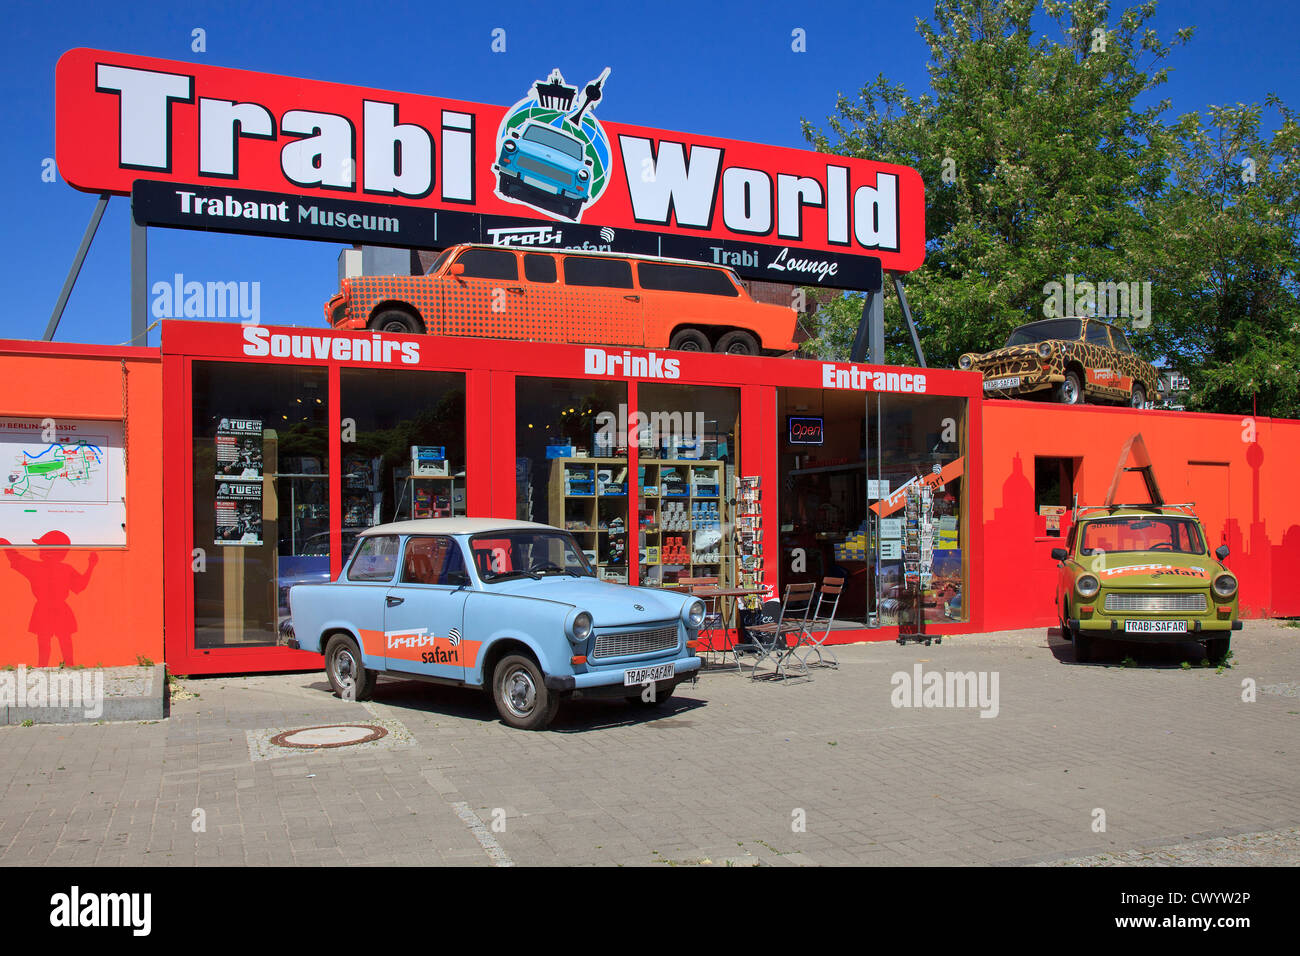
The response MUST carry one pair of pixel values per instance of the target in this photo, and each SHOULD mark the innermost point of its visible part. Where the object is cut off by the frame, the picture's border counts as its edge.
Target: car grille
(1155, 602)
(635, 642)
(543, 169)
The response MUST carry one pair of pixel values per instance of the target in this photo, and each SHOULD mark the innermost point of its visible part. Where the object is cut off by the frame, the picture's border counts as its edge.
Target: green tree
(1036, 159)
(1226, 270)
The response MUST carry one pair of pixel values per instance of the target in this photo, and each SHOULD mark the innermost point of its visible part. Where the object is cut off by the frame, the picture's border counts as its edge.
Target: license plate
(636, 676)
(1155, 627)
(995, 384)
(541, 184)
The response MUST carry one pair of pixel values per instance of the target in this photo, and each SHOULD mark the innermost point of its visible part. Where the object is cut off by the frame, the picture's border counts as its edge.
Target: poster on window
(62, 478)
(238, 512)
(239, 448)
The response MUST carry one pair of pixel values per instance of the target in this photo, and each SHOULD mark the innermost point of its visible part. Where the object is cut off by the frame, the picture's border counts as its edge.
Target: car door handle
(632, 298)
(394, 601)
(515, 288)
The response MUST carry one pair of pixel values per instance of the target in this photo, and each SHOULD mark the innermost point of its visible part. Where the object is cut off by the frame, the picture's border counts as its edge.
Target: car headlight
(583, 174)
(695, 614)
(509, 147)
(965, 362)
(1225, 586)
(581, 627)
(1044, 349)
(1087, 586)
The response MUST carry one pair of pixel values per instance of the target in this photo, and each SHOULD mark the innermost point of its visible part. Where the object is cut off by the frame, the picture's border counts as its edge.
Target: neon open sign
(806, 431)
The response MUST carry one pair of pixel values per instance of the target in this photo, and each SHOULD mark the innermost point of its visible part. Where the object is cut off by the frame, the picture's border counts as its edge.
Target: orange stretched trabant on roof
(569, 296)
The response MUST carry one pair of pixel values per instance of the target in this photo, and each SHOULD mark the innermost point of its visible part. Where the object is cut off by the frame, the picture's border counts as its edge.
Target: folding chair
(773, 640)
(818, 626)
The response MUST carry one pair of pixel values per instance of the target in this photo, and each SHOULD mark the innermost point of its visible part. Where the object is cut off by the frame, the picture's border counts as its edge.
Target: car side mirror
(589, 162)
(1221, 552)
(457, 579)
(1059, 554)
(457, 269)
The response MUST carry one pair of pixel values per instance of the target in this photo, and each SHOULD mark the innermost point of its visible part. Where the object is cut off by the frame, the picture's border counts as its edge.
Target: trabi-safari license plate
(1155, 627)
(995, 384)
(636, 676)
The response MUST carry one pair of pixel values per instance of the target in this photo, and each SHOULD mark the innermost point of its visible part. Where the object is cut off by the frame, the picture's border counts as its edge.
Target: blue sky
(724, 69)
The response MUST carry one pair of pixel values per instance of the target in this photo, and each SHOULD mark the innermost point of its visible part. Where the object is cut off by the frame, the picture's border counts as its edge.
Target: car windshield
(1047, 330)
(1142, 533)
(437, 263)
(554, 139)
(528, 553)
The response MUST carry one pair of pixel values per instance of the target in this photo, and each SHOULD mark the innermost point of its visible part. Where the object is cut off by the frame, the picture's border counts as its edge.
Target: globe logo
(552, 153)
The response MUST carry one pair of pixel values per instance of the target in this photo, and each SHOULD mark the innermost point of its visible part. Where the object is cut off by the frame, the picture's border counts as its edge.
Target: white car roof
(454, 526)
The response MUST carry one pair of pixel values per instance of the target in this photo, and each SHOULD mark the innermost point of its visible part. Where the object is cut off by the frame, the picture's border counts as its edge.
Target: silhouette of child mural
(52, 580)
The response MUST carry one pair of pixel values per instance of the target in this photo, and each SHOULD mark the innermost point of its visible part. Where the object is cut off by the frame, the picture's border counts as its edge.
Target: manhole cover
(334, 735)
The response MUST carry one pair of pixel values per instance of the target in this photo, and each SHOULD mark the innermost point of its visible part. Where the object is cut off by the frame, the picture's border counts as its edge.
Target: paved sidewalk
(824, 771)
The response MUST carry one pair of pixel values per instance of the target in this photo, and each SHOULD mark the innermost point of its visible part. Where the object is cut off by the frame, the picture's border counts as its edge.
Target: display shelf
(591, 495)
(680, 520)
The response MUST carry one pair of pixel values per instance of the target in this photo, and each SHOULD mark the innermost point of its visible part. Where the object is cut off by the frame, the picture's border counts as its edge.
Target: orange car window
(539, 268)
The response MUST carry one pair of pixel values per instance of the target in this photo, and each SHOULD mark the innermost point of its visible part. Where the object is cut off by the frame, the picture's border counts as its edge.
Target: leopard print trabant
(1106, 374)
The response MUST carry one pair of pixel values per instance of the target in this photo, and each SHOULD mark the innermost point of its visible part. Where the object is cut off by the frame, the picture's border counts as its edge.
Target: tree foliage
(1044, 154)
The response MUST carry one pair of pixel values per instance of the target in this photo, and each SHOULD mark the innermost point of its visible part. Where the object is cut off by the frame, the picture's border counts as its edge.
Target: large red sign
(124, 118)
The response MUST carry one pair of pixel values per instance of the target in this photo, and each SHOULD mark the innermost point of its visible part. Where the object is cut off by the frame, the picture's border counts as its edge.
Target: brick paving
(825, 771)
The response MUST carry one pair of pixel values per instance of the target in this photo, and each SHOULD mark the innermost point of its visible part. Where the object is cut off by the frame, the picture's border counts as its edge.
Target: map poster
(62, 475)
(238, 512)
(239, 448)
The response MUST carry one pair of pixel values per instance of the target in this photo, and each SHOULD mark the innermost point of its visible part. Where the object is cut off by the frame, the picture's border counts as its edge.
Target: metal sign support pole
(77, 261)
(139, 283)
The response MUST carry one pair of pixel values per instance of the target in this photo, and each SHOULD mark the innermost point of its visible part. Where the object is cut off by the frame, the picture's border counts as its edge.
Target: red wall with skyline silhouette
(78, 605)
(1245, 493)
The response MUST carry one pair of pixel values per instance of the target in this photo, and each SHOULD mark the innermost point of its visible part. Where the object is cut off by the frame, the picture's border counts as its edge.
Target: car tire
(347, 674)
(1082, 646)
(1069, 391)
(522, 698)
(1216, 649)
(1138, 399)
(690, 340)
(397, 321)
(660, 698)
(738, 342)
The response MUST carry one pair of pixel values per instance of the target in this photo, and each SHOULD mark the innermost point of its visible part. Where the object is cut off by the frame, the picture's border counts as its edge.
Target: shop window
(261, 496)
(687, 457)
(489, 264)
(404, 449)
(1054, 489)
(668, 278)
(539, 268)
(571, 465)
(611, 273)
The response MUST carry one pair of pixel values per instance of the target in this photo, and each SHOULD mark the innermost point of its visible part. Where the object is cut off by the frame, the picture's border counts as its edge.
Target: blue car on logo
(511, 607)
(546, 166)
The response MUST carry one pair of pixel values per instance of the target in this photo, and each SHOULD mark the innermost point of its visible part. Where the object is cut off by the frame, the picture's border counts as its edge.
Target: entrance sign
(255, 152)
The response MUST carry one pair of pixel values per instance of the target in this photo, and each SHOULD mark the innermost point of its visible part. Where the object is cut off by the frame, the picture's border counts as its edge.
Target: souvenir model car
(550, 295)
(511, 607)
(1144, 573)
(546, 160)
(1074, 360)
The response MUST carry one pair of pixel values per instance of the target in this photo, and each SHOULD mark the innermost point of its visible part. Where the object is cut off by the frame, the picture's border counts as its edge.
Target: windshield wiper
(505, 574)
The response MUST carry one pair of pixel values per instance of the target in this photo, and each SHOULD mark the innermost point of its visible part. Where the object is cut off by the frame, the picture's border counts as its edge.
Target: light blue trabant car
(508, 605)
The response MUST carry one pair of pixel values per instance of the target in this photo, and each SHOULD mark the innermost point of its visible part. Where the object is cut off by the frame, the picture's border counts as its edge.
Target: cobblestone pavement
(1170, 759)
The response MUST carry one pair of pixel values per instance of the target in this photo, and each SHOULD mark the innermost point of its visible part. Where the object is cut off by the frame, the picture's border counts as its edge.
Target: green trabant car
(1144, 573)
(1072, 360)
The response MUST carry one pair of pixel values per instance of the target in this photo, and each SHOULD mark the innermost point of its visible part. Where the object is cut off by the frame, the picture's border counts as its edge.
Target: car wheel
(738, 342)
(689, 340)
(521, 695)
(347, 675)
(659, 699)
(394, 320)
(1139, 397)
(1216, 649)
(1082, 646)
(1070, 391)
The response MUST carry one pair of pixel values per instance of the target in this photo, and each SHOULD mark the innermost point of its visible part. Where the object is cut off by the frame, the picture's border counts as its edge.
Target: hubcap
(520, 693)
(394, 327)
(1071, 392)
(345, 667)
